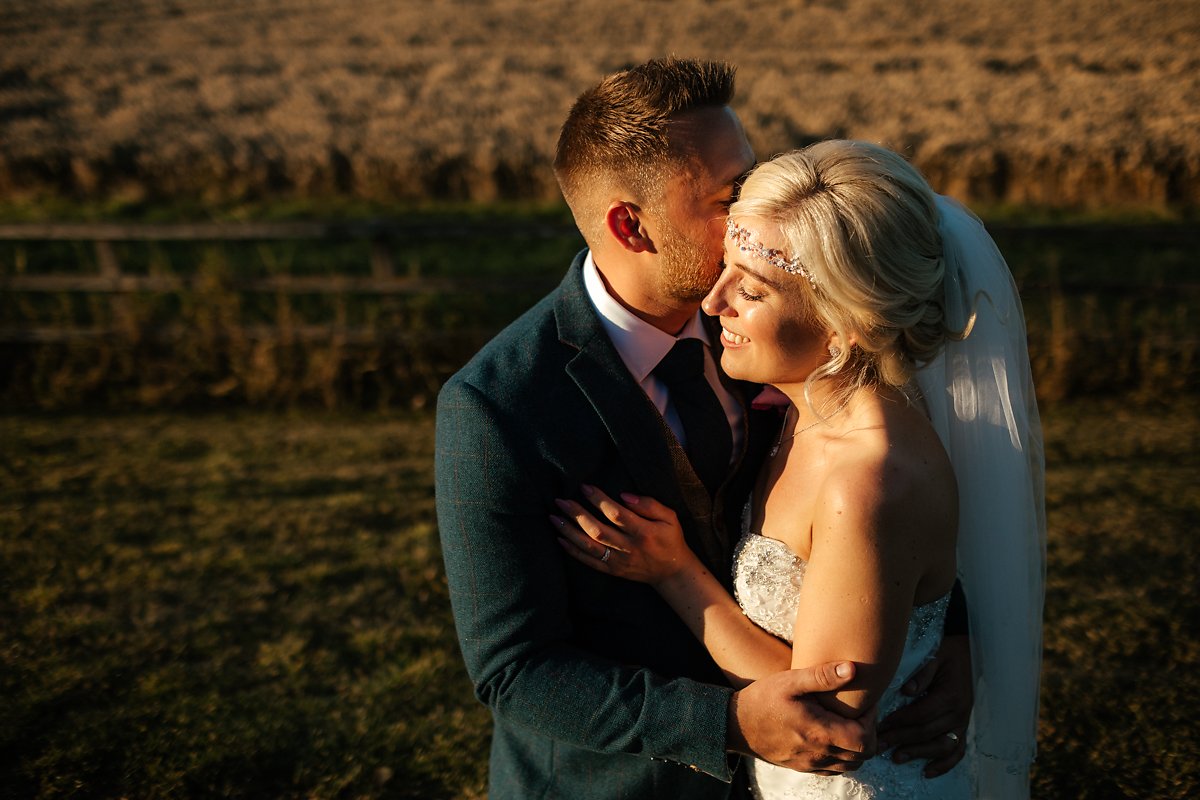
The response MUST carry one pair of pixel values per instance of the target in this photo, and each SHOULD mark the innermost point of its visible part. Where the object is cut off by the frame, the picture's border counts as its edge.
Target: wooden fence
(383, 279)
(382, 236)
(1060, 342)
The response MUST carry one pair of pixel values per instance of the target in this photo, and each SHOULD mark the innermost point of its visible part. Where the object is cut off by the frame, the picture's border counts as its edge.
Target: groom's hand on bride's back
(934, 725)
(778, 719)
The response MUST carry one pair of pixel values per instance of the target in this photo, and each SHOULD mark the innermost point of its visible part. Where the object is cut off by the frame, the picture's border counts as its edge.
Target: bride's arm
(871, 541)
(648, 546)
(871, 538)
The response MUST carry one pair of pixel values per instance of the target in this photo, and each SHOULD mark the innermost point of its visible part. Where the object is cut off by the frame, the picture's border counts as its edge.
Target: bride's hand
(641, 539)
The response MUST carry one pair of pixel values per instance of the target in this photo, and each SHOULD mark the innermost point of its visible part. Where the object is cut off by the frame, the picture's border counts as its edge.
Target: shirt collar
(640, 344)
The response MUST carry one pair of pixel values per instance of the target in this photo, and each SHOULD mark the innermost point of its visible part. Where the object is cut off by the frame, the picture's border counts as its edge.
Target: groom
(596, 688)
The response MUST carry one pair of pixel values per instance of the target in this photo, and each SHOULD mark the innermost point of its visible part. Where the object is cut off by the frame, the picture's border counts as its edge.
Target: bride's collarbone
(787, 503)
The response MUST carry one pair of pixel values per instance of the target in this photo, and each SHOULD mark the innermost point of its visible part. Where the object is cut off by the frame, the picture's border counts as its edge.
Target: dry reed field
(1067, 104)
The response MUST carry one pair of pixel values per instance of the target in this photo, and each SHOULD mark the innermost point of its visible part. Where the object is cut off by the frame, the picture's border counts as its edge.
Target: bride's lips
(731, 339)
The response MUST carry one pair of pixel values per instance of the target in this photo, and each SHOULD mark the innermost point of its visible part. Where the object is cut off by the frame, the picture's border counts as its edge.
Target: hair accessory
(776, 258)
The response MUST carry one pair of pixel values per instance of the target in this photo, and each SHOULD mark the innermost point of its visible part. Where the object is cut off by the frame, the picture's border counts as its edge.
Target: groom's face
(696, 201)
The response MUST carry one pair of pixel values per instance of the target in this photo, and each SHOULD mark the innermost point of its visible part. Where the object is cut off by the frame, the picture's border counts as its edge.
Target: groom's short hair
(616, 134)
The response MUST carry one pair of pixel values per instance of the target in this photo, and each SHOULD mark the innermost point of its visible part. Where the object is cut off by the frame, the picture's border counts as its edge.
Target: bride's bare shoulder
(894, 469)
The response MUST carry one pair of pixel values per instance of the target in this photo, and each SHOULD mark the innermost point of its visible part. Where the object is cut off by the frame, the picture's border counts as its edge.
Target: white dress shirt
(641, 346)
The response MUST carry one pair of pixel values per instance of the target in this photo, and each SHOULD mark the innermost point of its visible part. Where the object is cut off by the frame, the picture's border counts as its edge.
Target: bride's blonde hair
(862, 223)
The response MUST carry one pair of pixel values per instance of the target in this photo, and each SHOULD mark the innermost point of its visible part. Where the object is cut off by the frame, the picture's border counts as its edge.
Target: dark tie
(705, 426)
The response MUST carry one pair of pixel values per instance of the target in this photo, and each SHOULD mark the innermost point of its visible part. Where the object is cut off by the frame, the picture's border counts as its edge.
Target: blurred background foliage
(1109, 308)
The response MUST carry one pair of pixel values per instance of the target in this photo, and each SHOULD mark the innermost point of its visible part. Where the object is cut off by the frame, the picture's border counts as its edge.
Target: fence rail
(257, 333)
(392, 230)
(380, 233)
(109, 278)
(348, 284)
(387, 230)
(119, 283)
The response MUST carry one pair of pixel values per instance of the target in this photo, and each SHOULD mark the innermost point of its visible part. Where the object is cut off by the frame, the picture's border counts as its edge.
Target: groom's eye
(737, 184)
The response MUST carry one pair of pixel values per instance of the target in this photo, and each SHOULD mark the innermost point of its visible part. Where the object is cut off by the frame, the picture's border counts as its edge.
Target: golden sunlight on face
(696, 204)
(766, 334)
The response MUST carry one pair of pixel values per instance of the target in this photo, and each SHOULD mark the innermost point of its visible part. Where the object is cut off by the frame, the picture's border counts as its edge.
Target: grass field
(252, 605)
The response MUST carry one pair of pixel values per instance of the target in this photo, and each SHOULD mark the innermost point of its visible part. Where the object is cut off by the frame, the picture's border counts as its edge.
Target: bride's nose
(714, 304)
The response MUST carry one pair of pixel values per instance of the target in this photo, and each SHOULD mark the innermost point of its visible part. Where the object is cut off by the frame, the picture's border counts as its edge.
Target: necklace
(779, 442)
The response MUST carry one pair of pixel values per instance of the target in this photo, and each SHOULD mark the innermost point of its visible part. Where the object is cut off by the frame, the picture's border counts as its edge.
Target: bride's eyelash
(747, 296)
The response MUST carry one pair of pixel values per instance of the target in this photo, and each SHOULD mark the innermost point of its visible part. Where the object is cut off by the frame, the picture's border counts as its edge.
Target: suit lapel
(648, 450)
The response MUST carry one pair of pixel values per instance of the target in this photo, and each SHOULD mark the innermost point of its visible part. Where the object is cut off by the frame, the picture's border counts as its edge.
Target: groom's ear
(624, 225)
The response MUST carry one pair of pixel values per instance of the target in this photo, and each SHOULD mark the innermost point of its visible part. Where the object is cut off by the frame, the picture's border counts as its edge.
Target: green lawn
(252, 604)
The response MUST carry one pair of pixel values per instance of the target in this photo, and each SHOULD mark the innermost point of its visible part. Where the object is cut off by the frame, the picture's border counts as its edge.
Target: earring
(835, 352)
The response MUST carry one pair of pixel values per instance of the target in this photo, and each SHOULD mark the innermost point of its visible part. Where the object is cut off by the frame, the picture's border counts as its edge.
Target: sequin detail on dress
(760, 563)
(767, 577)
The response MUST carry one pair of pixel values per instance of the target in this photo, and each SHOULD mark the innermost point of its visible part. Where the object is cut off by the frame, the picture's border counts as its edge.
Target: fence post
(106, 259)
(381, 258)
(1057, 383)
(120, 305)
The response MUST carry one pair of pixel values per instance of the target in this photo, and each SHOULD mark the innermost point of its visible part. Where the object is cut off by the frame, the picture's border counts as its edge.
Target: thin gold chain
(779, 442)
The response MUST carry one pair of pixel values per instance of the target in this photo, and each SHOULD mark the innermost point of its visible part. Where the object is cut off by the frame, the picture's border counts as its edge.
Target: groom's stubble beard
(689, 270)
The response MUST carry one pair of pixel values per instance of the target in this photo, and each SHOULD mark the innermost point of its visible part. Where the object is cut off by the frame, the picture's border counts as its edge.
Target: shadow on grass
(253, 605)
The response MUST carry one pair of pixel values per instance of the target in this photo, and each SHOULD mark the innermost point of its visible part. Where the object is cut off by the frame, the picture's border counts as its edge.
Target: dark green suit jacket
(597, 690)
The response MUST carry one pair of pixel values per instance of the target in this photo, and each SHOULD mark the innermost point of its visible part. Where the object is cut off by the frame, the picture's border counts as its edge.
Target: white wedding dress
(767, 578)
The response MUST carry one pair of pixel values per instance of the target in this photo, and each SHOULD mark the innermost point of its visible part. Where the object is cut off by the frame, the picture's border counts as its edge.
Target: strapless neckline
(767, 578)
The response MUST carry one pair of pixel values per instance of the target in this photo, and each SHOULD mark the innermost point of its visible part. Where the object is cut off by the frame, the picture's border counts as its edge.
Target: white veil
(980, 397)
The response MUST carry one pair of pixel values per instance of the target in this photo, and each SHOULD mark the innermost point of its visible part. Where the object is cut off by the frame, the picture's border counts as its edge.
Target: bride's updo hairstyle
(862, 224)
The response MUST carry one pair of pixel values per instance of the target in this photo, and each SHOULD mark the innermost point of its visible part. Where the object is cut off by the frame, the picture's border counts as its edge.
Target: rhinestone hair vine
(776, 258)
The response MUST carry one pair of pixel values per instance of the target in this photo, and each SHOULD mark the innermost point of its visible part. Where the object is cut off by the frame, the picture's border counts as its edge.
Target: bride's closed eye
(745, 295)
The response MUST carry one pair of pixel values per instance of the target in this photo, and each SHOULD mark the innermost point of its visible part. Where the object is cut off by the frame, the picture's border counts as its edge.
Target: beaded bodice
(767, 577)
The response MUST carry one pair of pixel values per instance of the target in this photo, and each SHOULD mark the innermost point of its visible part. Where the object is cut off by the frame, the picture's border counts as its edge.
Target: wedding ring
(608, 552)
(952, 736)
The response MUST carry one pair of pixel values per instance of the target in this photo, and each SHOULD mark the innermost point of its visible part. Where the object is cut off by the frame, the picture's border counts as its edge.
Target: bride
(910, 454)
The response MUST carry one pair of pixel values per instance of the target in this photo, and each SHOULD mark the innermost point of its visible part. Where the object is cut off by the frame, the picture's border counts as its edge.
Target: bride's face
(766, 333)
